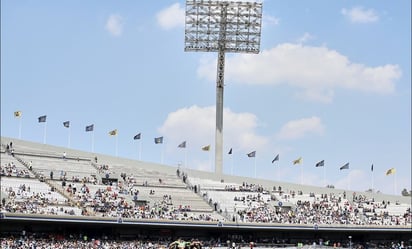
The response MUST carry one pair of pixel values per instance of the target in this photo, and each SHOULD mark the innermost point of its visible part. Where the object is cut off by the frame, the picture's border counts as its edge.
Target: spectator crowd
(87, 196)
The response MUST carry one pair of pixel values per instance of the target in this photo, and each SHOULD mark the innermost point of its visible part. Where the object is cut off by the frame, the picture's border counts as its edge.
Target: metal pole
(20, 127)
(219, 94)
(219, 113)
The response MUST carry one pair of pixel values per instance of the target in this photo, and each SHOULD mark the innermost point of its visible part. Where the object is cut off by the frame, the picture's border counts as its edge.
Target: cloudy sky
(332, 82)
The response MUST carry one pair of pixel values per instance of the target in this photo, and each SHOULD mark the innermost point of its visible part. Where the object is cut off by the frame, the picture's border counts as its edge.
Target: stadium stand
(53, 181)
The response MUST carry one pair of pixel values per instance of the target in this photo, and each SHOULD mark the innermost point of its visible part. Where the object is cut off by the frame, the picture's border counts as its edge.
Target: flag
(276, 158)
(182, 145)
(252, 154)
(391, 171)
(42, 119)
(90, 127)
(320, 164)
(230, 151)
(113, 132)
(17, 114)
(372, 168)
(66, 124)
(158, 140)
(297, 161)
(346, 166)
(137, 136)
(206, 148)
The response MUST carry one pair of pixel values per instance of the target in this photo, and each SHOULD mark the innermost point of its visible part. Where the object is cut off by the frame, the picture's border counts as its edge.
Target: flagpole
(301, 174)
(116, 145)
(185, 156)
(394, 184)
(348, 180)
(255, 166)
(372, 182)
(231, 164)
(210, 160)
(93, 140)
(140, 150)
(324, 176)
(45, 128)
(161, 154)
(68, 139)
(19, 127)
(277, 174)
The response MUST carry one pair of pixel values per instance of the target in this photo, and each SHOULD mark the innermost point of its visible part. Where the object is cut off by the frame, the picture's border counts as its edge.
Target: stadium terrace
(53, 190)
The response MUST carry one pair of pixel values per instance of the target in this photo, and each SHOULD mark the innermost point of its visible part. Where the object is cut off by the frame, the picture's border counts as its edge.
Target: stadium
(117, 63)
(65, 198)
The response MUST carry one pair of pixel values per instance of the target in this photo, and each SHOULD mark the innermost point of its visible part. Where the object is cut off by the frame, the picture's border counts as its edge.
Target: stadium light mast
(222, 26)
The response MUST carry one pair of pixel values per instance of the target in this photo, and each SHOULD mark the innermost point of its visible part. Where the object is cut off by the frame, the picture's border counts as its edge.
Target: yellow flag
(391, 171)
(113, 132)
(206, 148)
(17, 114)
(297, 161)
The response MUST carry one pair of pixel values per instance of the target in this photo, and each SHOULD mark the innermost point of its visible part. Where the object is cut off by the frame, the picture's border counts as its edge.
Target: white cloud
(114, 25)
(316, 70)
(299, 128)
(270, 20)
(171, 17)
(305, 38)
(197, 125)
(317, 95)
(360, 15)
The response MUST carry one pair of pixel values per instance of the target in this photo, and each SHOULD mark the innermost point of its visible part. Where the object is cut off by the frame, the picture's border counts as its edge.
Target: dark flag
(276, 158)
(42, 119)
(346, 166)
(158, 140)
(230, 151)
(252, 154)
(372, 168)
(182, 145)
(90, 127)
(137, 137)
(320, 164)
(66, 124)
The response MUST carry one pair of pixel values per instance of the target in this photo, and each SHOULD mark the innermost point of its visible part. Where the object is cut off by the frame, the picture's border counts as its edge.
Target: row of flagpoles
(159, 140)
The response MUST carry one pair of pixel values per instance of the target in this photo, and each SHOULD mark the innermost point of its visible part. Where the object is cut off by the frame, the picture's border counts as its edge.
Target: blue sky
(332, 82)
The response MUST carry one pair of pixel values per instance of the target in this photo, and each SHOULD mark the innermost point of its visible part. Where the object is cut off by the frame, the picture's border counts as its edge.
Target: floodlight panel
(234, 25)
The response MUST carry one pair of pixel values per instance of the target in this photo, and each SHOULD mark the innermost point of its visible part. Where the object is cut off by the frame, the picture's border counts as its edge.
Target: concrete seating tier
(149, 177)
(33, 188)
(31, 196)
(211, 184)
(71, 168)
(394, 209)
(227, 203)
(398, 209)
(179, 197)
(17, 169)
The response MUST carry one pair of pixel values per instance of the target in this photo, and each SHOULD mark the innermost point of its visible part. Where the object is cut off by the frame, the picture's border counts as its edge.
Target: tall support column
(219, 93)
(219, 113)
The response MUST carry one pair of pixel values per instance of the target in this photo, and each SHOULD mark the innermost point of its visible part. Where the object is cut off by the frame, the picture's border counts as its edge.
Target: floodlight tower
(222, 26)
